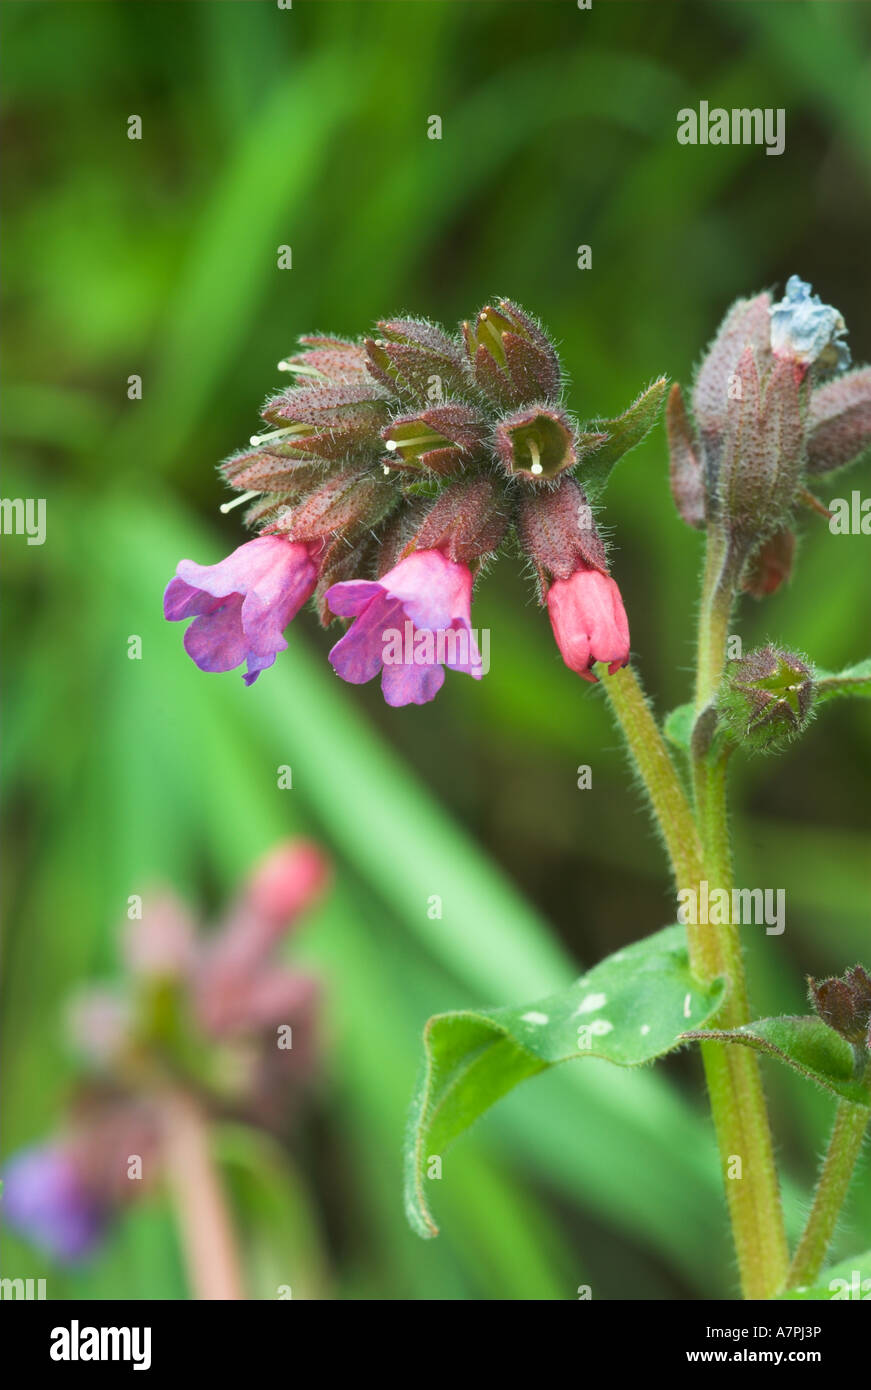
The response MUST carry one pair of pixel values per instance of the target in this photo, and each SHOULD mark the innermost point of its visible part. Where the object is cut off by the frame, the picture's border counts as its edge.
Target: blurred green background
(261, 127)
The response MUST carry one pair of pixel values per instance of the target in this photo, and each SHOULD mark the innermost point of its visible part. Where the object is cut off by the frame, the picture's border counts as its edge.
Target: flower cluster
(391, 471)
(213, 1016)
(774, 407)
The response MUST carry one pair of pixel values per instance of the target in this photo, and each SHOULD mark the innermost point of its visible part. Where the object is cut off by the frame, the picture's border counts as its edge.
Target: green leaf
(624, 432)
(805, 1043)
(855, 680)
(629, 1009)
(850, 1279)
(678, 726)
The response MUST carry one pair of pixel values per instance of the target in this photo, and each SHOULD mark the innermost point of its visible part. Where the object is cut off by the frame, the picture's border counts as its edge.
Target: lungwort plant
(390, 472)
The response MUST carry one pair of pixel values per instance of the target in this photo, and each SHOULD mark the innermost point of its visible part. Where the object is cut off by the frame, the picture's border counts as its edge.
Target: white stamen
(299, 369)
(258, 439)
(385, 469)
(238, 501)
(536, 457)
(409, 443)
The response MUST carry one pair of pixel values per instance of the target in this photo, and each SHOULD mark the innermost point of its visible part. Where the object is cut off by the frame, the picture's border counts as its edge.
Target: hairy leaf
(624, 433)
(629, 1009)
(805, 1043)
(855, 680)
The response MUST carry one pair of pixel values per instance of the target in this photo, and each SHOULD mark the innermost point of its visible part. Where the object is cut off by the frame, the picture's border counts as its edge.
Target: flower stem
(733, 1074)
(851, 1124)
(206, 1230)
(670, 806)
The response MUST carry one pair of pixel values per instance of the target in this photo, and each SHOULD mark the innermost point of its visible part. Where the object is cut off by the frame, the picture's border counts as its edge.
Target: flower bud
(839, 422)
(765, 699)
(845, 1005)
(539, 443)
(348, 501)
(589, 622)
(280, 470)
(745, 325)
(685, 469)
(805, 330)
(413, 357)
(512, 360)
(443, 439)
(466, 522)
(771, 565)
(328, 422)
(759, 470)
(333, 361)
(559, 535)
(287, 882)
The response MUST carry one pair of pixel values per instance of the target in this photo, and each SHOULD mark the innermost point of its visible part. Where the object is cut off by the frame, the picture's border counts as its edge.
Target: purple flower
(46, 1200)
(409, 624)
(242, 605)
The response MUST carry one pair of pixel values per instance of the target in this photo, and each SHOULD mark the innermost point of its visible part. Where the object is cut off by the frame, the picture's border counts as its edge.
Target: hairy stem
(207, 1236)
(667, 799)
(851, 1124)
(733, 1074)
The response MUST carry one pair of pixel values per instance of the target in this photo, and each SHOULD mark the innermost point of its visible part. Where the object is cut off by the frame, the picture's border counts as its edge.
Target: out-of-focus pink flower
(241, 606)
(162, 944)
(99, 1024)
(410, 625)
(287, 881)
(589, 621)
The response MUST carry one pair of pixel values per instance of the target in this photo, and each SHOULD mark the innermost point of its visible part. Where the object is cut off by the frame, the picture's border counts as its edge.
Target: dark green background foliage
(158, 257)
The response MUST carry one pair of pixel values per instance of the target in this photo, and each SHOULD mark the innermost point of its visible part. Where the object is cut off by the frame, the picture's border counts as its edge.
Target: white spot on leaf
(591, 1004)
(533, 1017)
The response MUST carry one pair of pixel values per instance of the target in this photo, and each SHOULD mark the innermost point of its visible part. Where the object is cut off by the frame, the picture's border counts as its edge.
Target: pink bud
(287, 881)
(589, 621)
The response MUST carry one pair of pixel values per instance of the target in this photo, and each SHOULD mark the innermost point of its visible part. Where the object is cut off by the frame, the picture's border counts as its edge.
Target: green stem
(733, 1074)
(851, 1123)
(670, 806)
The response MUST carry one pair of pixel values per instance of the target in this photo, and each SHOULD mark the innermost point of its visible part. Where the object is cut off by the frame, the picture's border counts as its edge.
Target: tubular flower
(410, 625)
(242, 605)
(589, 621)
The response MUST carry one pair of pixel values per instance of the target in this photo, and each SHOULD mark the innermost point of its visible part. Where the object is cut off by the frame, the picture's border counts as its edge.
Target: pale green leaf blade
(629, 1009)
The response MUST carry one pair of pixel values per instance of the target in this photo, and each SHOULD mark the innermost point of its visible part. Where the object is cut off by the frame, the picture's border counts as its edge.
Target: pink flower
(589, 621)
(409, 624)
(242, 605)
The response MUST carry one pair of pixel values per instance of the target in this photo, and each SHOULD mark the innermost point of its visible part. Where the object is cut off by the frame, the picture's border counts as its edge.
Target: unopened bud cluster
(766, 698)
(773, 406)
